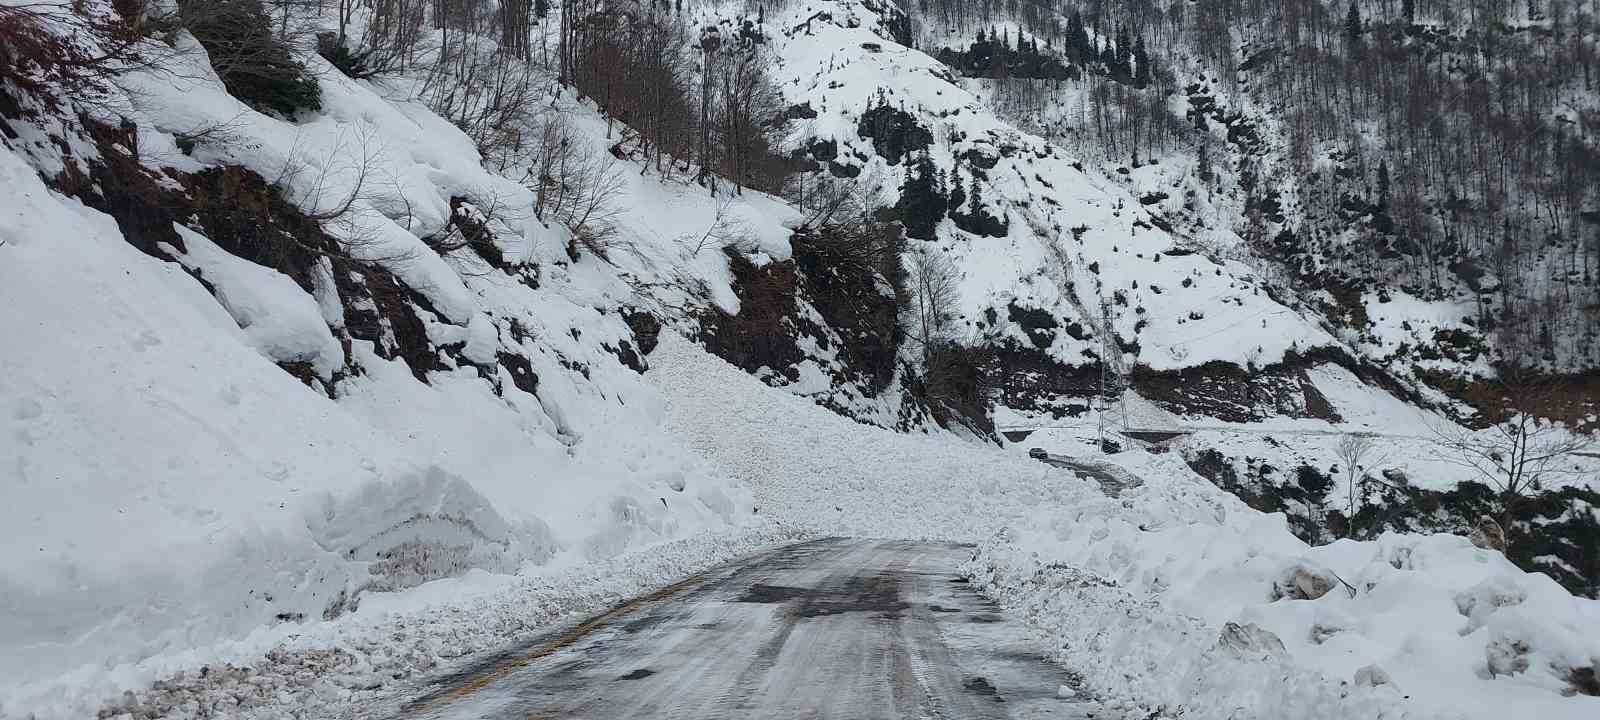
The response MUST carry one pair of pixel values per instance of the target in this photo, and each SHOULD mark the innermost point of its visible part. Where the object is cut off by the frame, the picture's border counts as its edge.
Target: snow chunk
(1372, 676)
(482, 340)
(1249, 640)
(281, 321)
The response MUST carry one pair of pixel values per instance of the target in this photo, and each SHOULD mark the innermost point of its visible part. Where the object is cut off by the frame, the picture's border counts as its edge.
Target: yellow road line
(561, 641)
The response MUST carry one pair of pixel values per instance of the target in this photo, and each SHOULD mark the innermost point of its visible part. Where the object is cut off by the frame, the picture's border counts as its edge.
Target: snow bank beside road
(176, 498)
(1159, 598)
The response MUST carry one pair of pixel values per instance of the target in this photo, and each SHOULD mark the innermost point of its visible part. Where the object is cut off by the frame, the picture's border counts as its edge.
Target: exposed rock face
(825, 328)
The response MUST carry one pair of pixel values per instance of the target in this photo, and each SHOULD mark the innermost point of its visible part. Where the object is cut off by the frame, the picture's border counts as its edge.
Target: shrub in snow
(254, 64)
(1583, 681)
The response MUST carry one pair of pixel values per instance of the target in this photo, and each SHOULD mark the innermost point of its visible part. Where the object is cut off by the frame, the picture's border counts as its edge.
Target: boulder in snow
(1249, 640)
(1303, 581)
(1372, 676)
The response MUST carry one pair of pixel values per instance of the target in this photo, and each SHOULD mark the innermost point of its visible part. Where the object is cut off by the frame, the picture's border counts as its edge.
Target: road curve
(835, 628)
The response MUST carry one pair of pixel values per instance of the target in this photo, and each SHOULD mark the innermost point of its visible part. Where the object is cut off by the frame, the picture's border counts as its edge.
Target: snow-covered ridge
(1072, 237)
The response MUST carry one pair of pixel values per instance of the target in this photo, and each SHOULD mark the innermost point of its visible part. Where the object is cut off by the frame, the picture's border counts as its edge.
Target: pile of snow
(1175, 595)
(812, 469)
(178, 491)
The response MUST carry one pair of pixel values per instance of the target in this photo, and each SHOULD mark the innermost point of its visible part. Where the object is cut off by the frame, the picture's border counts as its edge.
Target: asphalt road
(1111, 478)
(836, 628)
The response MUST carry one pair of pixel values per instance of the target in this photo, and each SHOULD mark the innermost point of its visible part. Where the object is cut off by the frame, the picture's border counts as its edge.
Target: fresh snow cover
(1073, 235)
(181, 502)
(284, 323)
(177, 490)
(815, 470)
(186, 501)
(1137, 590)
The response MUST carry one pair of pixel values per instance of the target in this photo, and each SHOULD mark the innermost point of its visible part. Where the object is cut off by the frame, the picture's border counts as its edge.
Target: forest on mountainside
(1443, 149)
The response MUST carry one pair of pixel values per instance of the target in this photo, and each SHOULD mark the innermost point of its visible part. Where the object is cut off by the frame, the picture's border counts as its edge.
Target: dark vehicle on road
(1038, 454)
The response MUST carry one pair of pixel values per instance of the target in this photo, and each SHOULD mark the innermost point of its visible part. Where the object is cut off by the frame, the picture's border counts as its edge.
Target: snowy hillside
(1071, 238)
(242, 429)
(413, 332)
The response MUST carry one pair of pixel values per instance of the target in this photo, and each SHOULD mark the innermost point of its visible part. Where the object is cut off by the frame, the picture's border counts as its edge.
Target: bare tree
(747, 102)
(1517, 454)
(1352, 449)
(58, 51)
(338, 198)
(931, 280)
(723, 232)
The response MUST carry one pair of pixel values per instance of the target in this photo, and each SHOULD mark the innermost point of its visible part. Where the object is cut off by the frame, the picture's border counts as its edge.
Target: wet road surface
(852, 629)
(1112, 479)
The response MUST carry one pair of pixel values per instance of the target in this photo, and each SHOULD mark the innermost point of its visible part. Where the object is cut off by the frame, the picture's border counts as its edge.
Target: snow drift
(1175, 595)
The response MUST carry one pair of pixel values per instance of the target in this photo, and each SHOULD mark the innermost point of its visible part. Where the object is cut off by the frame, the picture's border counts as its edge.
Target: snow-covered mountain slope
(1072, 238)
(1211, 329)
(1055, 250)
(1337, 140)
(299, 407)
(256, 370)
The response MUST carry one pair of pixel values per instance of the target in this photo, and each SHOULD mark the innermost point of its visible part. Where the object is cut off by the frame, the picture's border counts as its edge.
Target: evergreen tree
(541, 8)
(253, 63)
(958, 195)
(1383, 184)
(1408, 10)
(1124, 55)
(1077, 39)
(922, 204)
(1352, 29)
(1141, 60)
